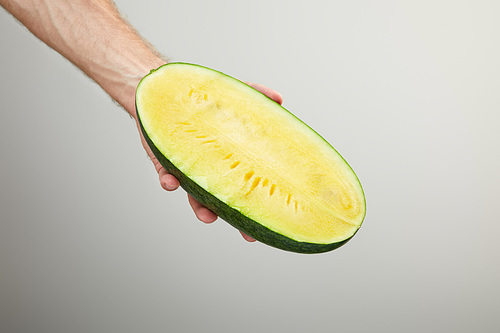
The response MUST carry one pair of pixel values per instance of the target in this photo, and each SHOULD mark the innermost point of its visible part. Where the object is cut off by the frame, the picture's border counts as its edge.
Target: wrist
(121, 81)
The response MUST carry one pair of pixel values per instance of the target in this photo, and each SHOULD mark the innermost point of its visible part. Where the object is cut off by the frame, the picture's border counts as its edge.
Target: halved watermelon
(248, 159)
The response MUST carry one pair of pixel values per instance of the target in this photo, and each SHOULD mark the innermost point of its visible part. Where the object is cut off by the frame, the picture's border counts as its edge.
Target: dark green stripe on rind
(233, 216)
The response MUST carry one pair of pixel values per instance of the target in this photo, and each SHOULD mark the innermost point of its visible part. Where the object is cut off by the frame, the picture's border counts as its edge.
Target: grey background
(408, 92)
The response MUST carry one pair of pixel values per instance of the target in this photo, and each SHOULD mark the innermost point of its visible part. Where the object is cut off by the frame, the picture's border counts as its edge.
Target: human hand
(170, 183)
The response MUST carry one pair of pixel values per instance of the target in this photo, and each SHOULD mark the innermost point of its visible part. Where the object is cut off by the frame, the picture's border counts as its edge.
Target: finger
(271, 93)
(168, 181)
(202, 213)
(247, 238)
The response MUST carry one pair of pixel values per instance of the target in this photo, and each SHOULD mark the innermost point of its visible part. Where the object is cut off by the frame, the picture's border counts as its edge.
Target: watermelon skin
(233, 216)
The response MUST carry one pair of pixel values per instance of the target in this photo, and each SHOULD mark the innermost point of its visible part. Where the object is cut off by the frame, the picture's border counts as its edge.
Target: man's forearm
(93, 36)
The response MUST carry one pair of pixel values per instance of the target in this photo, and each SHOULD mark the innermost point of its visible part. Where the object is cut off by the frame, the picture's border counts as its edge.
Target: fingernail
(168, 187)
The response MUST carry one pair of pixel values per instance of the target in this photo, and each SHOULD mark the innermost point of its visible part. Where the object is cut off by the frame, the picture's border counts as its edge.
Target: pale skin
(95, 38)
